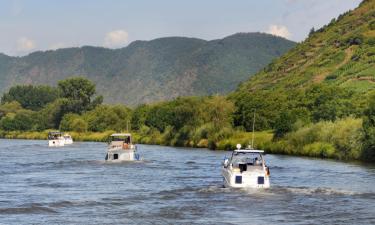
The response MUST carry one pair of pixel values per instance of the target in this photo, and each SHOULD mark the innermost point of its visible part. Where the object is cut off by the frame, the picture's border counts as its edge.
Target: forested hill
(341, 53)
(148, 71)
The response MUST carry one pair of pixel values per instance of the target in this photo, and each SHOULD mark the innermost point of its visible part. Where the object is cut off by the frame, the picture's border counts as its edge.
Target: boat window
(249, 159)
(260, 180)
(115, 156)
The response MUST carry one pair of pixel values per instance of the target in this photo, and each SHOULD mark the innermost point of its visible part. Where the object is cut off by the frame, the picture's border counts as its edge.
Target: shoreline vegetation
(339, 140)
(262, 138)
(324, 125)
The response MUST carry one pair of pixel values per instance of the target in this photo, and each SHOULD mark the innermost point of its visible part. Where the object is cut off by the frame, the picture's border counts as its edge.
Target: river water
(74, 185)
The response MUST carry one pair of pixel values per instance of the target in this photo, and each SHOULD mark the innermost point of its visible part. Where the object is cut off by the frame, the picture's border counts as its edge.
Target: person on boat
(257, 162)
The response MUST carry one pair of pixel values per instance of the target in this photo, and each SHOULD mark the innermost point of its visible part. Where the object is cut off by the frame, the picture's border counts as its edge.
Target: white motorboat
(68, 140)
(56, 139)
(246, 168)
(121, 148)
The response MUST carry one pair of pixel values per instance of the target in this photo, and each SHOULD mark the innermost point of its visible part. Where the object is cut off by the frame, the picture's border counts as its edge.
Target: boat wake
(27, 209)
(318, 191)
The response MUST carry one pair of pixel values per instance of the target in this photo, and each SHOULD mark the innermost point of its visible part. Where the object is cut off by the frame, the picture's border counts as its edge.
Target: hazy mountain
(155, 70)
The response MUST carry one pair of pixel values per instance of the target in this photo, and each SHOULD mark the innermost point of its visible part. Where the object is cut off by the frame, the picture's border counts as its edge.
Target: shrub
(319, 149)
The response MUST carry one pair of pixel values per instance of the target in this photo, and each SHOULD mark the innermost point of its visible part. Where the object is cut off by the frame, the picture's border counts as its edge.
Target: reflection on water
(74, 185)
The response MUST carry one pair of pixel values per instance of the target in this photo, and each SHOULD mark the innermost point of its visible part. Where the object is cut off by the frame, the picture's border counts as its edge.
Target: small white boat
(121, 148)
(68, 139)
(56, 139)
(246, 168)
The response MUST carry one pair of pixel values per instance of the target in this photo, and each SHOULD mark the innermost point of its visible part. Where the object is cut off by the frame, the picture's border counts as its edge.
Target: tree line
(296, 117)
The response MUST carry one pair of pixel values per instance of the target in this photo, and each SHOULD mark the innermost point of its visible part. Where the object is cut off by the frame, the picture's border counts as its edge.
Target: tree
(9, 107)
(312, 31)
(105, 117)
(283, 124)
(79, 91)
(368, 152)
(139, 117)
(23, 120)
(51, 115)
(31, 97)
(73, 122)
(219, 111)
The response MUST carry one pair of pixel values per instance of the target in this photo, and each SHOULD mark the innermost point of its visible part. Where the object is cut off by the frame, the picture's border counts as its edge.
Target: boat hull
(121, 155)
(68, 141)
(56, 143)
(247, 179)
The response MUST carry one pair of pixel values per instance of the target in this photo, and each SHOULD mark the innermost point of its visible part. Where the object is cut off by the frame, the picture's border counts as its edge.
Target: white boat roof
(249, 151)
(121, 134)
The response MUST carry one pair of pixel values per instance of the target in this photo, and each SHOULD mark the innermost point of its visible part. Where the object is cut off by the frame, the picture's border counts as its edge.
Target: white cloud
(25, 44)
(116, 38)
(281, 31)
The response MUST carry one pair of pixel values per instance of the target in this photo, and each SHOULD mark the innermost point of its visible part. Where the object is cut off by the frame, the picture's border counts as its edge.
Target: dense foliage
(30, 97)
(369, 131)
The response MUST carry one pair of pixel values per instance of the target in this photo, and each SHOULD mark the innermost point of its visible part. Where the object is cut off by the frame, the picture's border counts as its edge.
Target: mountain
(340, 54)
(148, 71)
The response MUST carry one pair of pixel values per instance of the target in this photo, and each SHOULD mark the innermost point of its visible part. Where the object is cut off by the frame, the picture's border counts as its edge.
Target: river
(74, 185)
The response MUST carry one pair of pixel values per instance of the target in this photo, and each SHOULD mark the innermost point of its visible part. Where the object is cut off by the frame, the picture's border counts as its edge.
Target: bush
(340, 139)
(319, 149)
(23, 120)
(368, 153)
(73, 122)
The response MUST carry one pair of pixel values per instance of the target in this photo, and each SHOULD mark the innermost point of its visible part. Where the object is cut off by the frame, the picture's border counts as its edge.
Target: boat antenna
(252, 139)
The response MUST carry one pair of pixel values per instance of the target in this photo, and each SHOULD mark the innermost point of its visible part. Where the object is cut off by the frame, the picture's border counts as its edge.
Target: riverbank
(262, 138)
(344, 146)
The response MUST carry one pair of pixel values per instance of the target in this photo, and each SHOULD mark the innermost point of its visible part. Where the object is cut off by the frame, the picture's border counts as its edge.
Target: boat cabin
(56, 139)
(120, 141)
(55, 135)
(246, 159)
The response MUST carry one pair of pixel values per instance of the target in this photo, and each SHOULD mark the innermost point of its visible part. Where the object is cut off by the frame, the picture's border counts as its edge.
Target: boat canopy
(248, 151)
(55, 134)
(125, 137)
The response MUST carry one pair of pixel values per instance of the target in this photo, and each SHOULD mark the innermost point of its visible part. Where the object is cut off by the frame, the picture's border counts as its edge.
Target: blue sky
(30, 25)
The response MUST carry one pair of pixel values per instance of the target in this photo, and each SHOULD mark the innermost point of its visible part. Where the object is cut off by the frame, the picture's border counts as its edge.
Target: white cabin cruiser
(56, 139)
(246, 168)
(120, 148)
(68, 140)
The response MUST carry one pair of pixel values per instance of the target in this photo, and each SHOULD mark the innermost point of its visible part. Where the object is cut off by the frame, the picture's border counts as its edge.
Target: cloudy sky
(30, 25)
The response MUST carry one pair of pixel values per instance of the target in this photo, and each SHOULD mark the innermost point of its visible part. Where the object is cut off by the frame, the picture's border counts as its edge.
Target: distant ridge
(148, 71)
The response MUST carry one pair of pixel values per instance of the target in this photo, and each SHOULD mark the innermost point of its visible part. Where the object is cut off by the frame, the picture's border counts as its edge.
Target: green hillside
(341, 53)
(148, 71)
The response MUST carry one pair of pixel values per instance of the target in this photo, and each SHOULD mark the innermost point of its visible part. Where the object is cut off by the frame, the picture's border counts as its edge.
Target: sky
(31, 25)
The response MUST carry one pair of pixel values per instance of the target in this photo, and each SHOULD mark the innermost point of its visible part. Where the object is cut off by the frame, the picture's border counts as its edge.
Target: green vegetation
(369, 132)
(317, 100)
(149, 71)
(30, 97)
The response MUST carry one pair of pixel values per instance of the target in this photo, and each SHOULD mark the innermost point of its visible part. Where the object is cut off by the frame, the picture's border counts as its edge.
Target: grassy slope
(341, 53)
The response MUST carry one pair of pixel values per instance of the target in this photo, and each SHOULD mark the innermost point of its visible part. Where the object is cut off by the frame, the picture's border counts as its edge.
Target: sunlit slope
(341, 53)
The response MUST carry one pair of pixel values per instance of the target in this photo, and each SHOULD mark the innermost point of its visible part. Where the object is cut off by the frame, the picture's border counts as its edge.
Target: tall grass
(340, 140)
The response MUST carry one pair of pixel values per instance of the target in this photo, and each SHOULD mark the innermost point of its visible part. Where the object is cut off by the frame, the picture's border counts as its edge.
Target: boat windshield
(125, 139)
(248, 158)
(54, 135)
